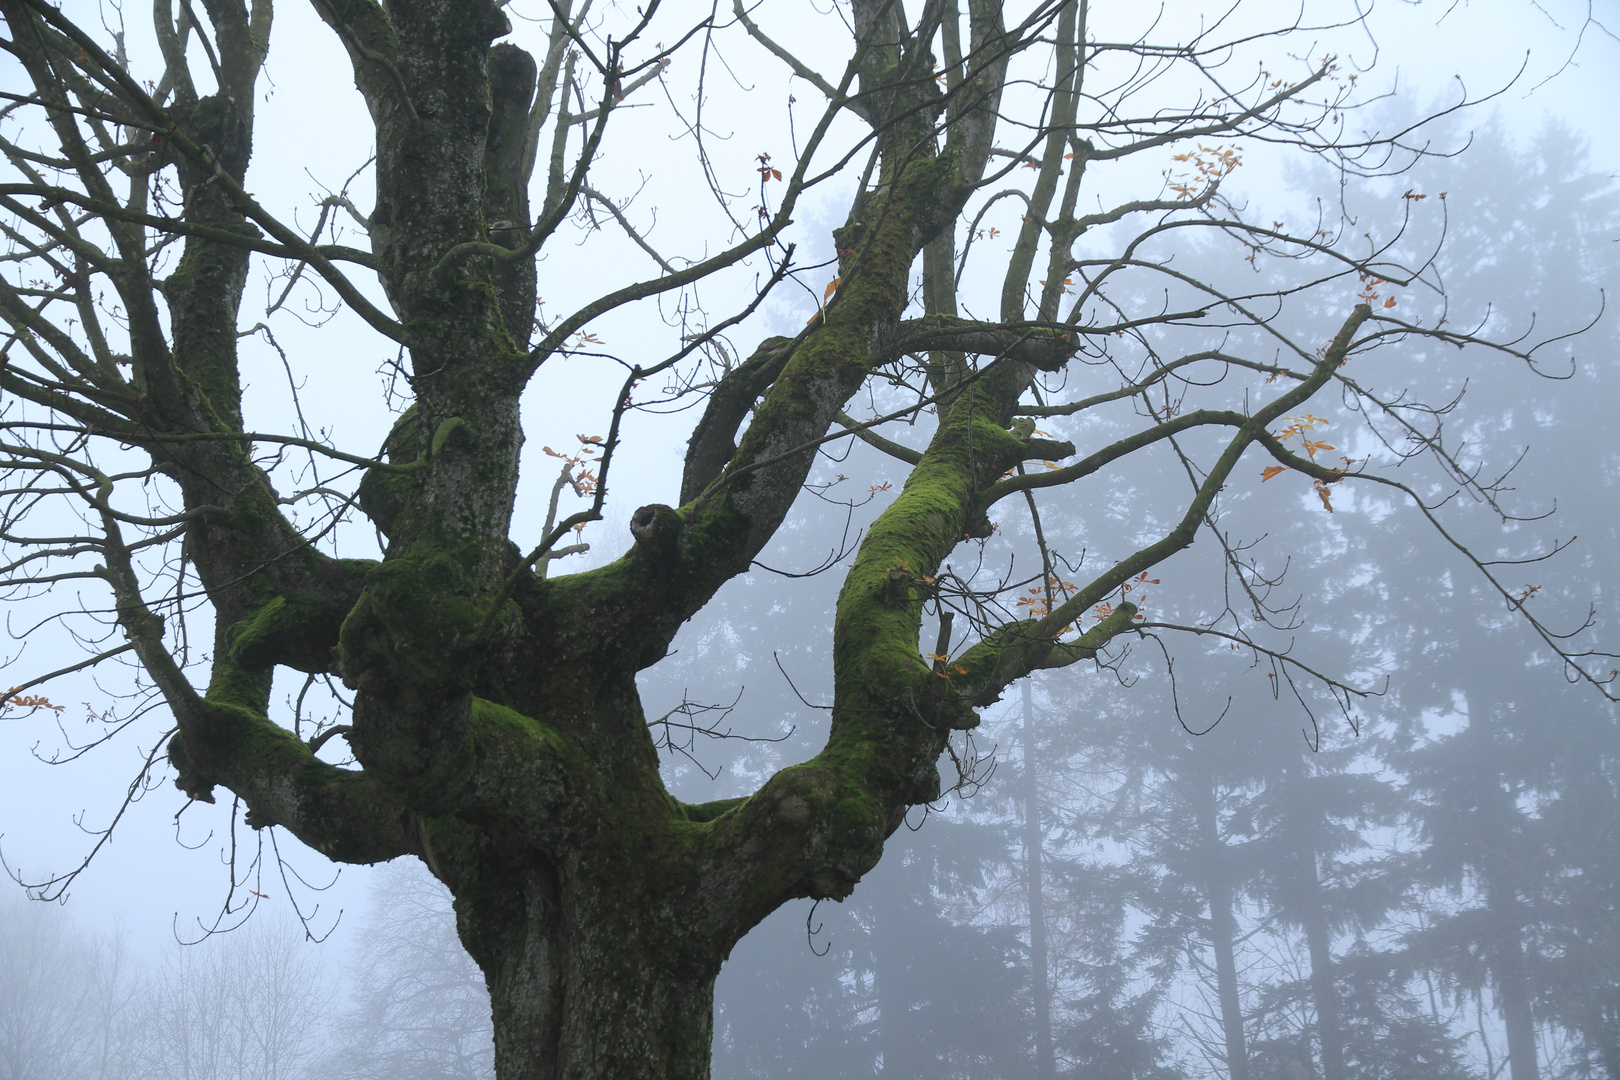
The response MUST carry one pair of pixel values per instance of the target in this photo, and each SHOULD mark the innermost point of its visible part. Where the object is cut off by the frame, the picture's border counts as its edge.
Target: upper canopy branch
(221, 741)
(1041, 345)
(1159, 374)
(1114, 451)
(208, 160)
(1013, 651)
(102, 211)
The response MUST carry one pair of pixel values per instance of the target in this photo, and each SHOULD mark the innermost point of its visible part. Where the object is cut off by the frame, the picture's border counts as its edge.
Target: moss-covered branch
(1046, 347)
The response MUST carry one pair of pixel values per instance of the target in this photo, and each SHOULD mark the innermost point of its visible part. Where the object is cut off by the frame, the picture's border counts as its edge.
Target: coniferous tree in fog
(1479, 836)
(1077, 905)
(1108, 1027)
(1306, 851)
(1518, 865)
(1511, 775)
(1580, 990)
(1390, 1033)
(899, 981)
(1033, 836)
(1173, 813)
(1517, 811)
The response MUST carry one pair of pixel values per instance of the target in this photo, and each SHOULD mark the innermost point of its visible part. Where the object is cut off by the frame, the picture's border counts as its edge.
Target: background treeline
(1190, 864)
(1432, 895)
(256, 1003)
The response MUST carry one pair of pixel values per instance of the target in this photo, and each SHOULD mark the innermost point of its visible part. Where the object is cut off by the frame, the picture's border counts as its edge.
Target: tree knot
(657, 530)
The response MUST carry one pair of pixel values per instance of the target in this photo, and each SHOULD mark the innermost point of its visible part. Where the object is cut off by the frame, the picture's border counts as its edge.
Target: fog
(1147, 865)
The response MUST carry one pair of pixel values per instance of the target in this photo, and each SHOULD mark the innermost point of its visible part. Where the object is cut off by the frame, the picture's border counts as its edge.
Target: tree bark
(590, 975)
(559, 1015)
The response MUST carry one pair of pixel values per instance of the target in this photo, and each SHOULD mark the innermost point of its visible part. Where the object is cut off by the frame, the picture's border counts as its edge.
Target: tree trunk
(1222, 930)
(1513, 992)
(1040, 985)
(1319, 940)
(1607, 1038)
(646, 1023)
(898, 1040)
(581, 988)
(1501, 844)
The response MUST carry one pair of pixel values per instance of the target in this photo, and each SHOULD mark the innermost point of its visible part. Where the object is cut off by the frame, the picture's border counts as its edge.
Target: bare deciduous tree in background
(497, 731)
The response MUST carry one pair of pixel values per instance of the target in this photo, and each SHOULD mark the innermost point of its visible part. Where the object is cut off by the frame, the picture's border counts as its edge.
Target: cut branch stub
(657, 530)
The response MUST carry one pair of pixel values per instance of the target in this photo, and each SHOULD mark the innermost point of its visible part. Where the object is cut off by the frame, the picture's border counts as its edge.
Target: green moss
(258, 640)
(709, 811)
(578, 601)
(239, 685)
(987, 661)
(496, 729)
(855, 822)
(876, 637)
(416, 620)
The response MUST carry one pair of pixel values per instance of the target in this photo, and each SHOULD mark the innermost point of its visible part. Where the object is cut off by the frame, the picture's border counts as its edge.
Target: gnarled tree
(496, 731)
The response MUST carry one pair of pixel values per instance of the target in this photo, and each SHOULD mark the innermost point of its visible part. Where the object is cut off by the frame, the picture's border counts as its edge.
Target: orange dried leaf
(1272, 471)
(31, 702)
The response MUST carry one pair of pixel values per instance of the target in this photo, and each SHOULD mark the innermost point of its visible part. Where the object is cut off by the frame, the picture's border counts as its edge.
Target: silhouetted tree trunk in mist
(1476, 830)
(900, 1038)
(1034, 885)
(1499, 851)
(1319, 940)
(1222, 924)
(1513, 992)
(1305, 810)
